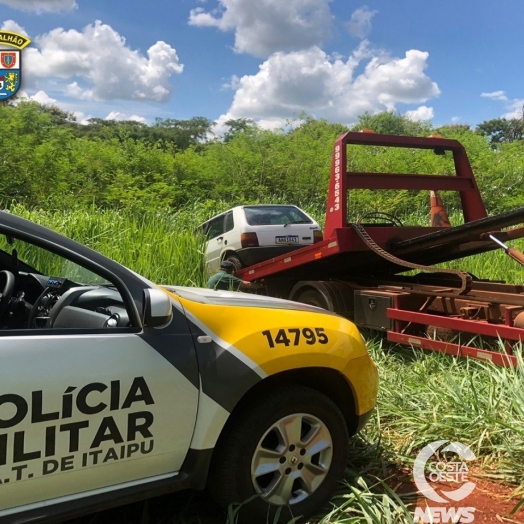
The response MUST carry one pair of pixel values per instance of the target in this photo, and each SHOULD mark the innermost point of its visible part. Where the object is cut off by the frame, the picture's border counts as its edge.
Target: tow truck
(383, 274)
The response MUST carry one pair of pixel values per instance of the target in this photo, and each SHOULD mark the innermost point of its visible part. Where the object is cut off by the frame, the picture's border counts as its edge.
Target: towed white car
(246, 235)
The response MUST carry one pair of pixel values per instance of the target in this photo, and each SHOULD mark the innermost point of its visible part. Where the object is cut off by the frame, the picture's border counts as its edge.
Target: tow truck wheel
(238, 263)
(313, 298)
(281, 457)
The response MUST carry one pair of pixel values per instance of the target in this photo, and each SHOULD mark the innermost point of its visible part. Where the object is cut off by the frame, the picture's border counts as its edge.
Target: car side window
(44, 290)
(229, 222)
(216, 227)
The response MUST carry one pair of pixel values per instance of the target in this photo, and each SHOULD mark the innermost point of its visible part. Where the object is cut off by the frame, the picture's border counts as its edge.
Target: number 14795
(293, 336)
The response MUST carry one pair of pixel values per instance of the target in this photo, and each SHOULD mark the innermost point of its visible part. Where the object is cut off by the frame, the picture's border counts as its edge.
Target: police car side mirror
(158, 310)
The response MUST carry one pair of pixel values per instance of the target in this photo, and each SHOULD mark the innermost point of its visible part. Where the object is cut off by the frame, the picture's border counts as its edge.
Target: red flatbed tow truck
(359, 268)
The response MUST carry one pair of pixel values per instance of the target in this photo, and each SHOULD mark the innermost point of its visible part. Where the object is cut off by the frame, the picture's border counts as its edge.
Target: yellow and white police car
(113, 389)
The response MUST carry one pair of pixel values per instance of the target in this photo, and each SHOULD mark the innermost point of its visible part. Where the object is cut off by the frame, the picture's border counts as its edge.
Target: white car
(246, 235)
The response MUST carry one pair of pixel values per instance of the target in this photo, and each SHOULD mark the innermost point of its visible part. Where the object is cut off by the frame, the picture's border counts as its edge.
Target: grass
(423, 396)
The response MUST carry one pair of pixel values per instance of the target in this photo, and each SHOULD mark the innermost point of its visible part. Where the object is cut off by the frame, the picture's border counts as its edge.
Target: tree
(58, 116)
(183, 133)
(452, 130)
(501, 130)
(238, 125)
(391, 123)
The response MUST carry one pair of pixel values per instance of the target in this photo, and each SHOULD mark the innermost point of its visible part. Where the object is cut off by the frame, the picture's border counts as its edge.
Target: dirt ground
(493, 501)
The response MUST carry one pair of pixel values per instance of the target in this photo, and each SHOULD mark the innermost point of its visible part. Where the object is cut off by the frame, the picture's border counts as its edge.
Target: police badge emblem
(11, 63)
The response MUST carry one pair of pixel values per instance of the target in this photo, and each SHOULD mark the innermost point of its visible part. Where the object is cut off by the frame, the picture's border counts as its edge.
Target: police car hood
(235, 298)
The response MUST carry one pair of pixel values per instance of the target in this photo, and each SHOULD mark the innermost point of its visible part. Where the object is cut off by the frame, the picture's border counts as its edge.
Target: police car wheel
(282, 456)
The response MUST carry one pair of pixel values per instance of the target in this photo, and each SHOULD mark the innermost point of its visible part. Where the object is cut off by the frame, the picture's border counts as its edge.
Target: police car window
(46, 262)
(43, 290)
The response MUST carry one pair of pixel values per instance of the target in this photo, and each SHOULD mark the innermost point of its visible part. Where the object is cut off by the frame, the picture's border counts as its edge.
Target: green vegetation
(136, 193)
(49, 160)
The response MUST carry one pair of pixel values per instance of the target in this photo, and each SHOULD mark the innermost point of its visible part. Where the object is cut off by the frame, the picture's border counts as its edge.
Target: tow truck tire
(238, 263)
(281, 457)
(313, 298)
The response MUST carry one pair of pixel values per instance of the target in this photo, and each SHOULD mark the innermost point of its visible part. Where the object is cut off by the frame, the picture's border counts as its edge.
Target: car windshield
(38, 260)
(275, 215)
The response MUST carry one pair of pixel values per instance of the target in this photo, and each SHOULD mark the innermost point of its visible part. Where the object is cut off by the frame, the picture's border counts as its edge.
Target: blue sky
(449, 61)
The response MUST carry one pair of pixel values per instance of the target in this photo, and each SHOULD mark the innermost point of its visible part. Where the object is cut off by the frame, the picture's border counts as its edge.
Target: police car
(114, 389)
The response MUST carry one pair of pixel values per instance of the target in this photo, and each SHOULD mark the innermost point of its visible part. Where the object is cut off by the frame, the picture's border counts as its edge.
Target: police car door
(83, 408)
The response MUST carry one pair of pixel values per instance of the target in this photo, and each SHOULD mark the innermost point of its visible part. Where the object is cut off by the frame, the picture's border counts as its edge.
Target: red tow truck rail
(359, 269)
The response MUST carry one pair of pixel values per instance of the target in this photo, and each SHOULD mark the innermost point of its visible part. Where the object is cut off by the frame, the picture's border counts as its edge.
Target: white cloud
(421, 113)
(327, 87)
(41, 6)
(137, 118)
(116, 115)
(75, 91)
(234, 84)
(455, 119)
(82, 118)
(220, 128)
(20, 96)
(43, 98)
(11, 25)
(263, 27)
(108, 69)
(516, 109)
(360, 23)
(496, 95)
(515, 106)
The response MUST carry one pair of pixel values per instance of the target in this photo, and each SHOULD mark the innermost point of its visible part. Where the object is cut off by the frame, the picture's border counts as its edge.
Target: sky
(449, 62)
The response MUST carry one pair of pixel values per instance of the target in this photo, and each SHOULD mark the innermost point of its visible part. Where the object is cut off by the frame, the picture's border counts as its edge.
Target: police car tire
(230, 480)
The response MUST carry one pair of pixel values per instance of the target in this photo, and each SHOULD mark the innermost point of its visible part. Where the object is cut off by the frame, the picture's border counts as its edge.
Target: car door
(215, 242)
(231, 234)
(85, 409)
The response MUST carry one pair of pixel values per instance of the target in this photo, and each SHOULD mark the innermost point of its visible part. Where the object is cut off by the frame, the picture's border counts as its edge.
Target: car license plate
(289, 239)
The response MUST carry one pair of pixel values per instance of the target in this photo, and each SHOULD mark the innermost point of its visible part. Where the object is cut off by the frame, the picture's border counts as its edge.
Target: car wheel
(281, 457)
(238, 263)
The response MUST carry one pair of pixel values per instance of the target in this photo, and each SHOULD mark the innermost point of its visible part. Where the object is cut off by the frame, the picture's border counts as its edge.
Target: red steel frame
(341, 180)
(479, 328)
